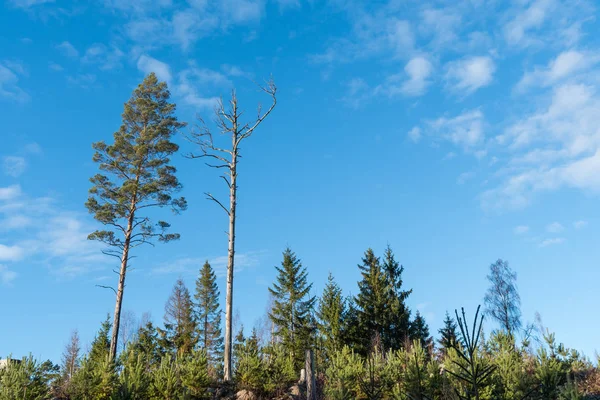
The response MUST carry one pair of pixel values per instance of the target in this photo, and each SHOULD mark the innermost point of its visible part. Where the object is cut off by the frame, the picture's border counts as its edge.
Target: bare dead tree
(228, 121)
(129, 326)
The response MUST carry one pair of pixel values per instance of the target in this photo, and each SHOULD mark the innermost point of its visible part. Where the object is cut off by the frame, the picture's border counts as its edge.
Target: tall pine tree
(208, 314)
(331, 314)
(292, 307)
(180, 325)
(136, 176)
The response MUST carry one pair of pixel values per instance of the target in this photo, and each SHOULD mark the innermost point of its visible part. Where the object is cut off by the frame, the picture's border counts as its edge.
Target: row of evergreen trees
(367, 347)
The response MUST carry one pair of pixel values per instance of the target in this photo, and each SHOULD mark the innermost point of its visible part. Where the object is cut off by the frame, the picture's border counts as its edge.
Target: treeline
(367, 346)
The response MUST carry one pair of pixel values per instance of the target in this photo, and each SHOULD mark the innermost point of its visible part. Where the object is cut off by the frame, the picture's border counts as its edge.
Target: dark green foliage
(179, 335)
(371, 301)
(101, 343)
(343, 375)
(208, 315)
(146, 344)
(420, 331)
(331, 314)
(382, 316)
(448, 333)
(397, 325)
(292, 307)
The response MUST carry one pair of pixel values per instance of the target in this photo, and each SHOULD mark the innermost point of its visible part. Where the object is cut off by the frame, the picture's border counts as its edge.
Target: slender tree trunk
(120, 288)
(311, 388)
(230, 260)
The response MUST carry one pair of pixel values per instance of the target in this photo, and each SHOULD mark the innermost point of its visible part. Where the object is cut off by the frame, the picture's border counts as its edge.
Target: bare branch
(211, 197)
(270, 89)
(108, 287)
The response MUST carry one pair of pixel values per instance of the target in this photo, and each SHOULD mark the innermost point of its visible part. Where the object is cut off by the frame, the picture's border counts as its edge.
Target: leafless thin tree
(229, 123)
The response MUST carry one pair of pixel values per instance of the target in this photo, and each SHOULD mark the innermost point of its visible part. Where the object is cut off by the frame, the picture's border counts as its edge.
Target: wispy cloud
(465, 130)
(55, 238)
(521, 229)
(68, 49)
(580, 224)
(551, 242)
(9, 81)
(14, 165)
(28, 3)
(148, 64)
(554, 227)
(107, 58)
(191, 265)
(469, 74)
(6, 275)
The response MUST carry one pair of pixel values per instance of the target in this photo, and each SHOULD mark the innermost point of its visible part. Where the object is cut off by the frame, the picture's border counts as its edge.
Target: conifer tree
(208, 314)
(180, 325)
(101, 344)
(420, 331)
(292, 306)
(448, 333)
(372, 302)
(147, 345)
(136, 176)
(70, 358)
(249, 371)
(397, 320)
(331, 314)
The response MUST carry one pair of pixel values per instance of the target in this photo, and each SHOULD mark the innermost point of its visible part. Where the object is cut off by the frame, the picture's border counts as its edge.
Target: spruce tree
(146, 344)
(180, 326)
(420, 331)
(448, 333)
(136, 176)
(331, 314)
(397, 319)
(208, 314)
(372, 302)
(101, 344)
(292, 306)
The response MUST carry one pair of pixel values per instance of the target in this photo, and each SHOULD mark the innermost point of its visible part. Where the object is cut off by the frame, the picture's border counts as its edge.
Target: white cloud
(13, 165)
(29, 3)
(191, 265)
(10, 192)
(530, 18)
(195, 86)
(469, 74)
(106, 58)
(54, 237)
(415, 134)
(580, 224)
(33, 148)
(564, 66)
(554, 227)
(68, 49)
(9, 82)
(6, 275)
(556, 146)
(465, 177)
(521, 229)
(84, 81)
(418, 70)
(148, 64)
(464, 130)
(442, 23)
(11, 253)
(551, 242)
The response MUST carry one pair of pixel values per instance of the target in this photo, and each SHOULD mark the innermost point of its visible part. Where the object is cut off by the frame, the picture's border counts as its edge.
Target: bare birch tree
(228, 121)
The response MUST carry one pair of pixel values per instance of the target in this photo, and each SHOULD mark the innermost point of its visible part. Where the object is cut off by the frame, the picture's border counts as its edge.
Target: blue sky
(459, 132)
